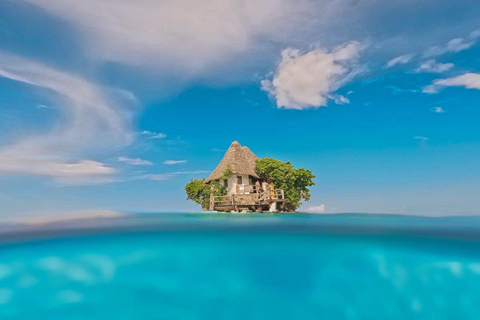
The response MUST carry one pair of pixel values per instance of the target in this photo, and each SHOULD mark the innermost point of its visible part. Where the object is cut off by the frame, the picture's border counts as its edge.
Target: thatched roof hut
(240, 159)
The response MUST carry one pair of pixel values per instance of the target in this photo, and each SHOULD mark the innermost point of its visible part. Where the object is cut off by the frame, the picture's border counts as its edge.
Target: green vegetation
(199, 191)
(227, 173)
(295, 182)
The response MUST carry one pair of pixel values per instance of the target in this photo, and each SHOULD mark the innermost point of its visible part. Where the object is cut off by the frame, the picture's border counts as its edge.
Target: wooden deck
(249, 201)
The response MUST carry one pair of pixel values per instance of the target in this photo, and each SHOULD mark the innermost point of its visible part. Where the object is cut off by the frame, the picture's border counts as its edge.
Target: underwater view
(239, 159)
(234, 266)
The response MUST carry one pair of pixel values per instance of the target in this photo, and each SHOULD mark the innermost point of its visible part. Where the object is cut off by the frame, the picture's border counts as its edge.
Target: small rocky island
(244, 183)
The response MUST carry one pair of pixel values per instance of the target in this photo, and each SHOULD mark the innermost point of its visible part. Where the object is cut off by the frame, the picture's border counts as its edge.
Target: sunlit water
(243, 267)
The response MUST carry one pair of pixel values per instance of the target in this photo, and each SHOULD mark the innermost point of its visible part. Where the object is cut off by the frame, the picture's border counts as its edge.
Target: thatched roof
(240, 159)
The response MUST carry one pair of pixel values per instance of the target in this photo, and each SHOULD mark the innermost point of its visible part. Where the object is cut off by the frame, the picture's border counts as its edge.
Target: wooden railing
(220, 200)
(246, 199)
(246, 189)
(249, 188)
(279, 194)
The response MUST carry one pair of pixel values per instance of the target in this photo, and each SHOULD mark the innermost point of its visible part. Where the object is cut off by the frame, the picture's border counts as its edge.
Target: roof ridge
(241, 160)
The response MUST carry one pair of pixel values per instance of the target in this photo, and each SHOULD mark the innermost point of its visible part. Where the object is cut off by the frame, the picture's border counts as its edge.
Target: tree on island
(294, 182)
(199, 191)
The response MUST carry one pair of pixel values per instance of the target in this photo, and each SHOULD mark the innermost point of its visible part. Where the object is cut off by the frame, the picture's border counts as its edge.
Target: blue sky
(116, 105)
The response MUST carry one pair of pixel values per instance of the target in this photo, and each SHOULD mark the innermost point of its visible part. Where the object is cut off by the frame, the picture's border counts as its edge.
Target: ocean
(242, 266)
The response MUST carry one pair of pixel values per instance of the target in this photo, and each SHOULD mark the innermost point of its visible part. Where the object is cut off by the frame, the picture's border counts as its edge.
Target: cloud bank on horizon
(303, 51)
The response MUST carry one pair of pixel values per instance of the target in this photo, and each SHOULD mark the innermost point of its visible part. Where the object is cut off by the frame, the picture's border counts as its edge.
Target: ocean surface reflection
(242, 267)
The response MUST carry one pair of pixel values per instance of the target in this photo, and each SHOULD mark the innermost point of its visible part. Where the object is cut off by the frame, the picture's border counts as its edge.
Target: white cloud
(475, 34)
(400, 60)
(134, 161)
(188, 35)
(94, 118)
(434, 67)
(191, 172)
(172, 162)
(222, 42)
(339, 99)
(61, 169)
(316, 209)
(396, 90)
(154, 135)
(467, 80)
(160, 177)
(307, 80)
(437, 110)
(459, 44)
(229, 40)
(421, 138)
(171, 175)
(42, 106)
(454, 45)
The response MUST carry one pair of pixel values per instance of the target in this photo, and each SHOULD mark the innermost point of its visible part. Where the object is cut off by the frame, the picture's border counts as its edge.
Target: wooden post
(234, 203)
(212, 201)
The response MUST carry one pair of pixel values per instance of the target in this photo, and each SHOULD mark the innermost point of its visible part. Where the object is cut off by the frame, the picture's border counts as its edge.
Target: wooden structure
(246, 191)
(248, 202)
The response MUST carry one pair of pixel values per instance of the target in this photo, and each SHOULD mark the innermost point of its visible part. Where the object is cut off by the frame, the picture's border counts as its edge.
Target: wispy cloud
(397, 90)
(468, 80)
(406, 58)
(218, 150)
(475, 34)
(160, 177)
(434, 67)
(307, 80)
(339, 99)
(42, 106)
(95, 118)
(454, 45)
(134, 161)
(316, 209)
(459, 44)
(172, 162)
(191, 172)
(240, 35)
(24, 162)
(437, 110)
(191, 41)
(171, 175)
(421, 138)
(153, 135)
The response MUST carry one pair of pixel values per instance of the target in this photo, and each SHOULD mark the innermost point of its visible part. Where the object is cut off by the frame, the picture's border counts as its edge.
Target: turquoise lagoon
(204, 266)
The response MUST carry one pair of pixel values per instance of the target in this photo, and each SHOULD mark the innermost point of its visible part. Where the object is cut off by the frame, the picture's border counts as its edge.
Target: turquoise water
(243, 267)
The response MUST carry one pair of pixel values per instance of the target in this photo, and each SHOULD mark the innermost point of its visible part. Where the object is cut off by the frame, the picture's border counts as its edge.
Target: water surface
(242, 267)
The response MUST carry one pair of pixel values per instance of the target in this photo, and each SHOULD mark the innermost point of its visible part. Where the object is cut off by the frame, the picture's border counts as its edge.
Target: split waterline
(223, 266)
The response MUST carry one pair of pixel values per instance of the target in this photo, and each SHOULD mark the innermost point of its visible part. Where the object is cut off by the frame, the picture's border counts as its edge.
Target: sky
(116, 104)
